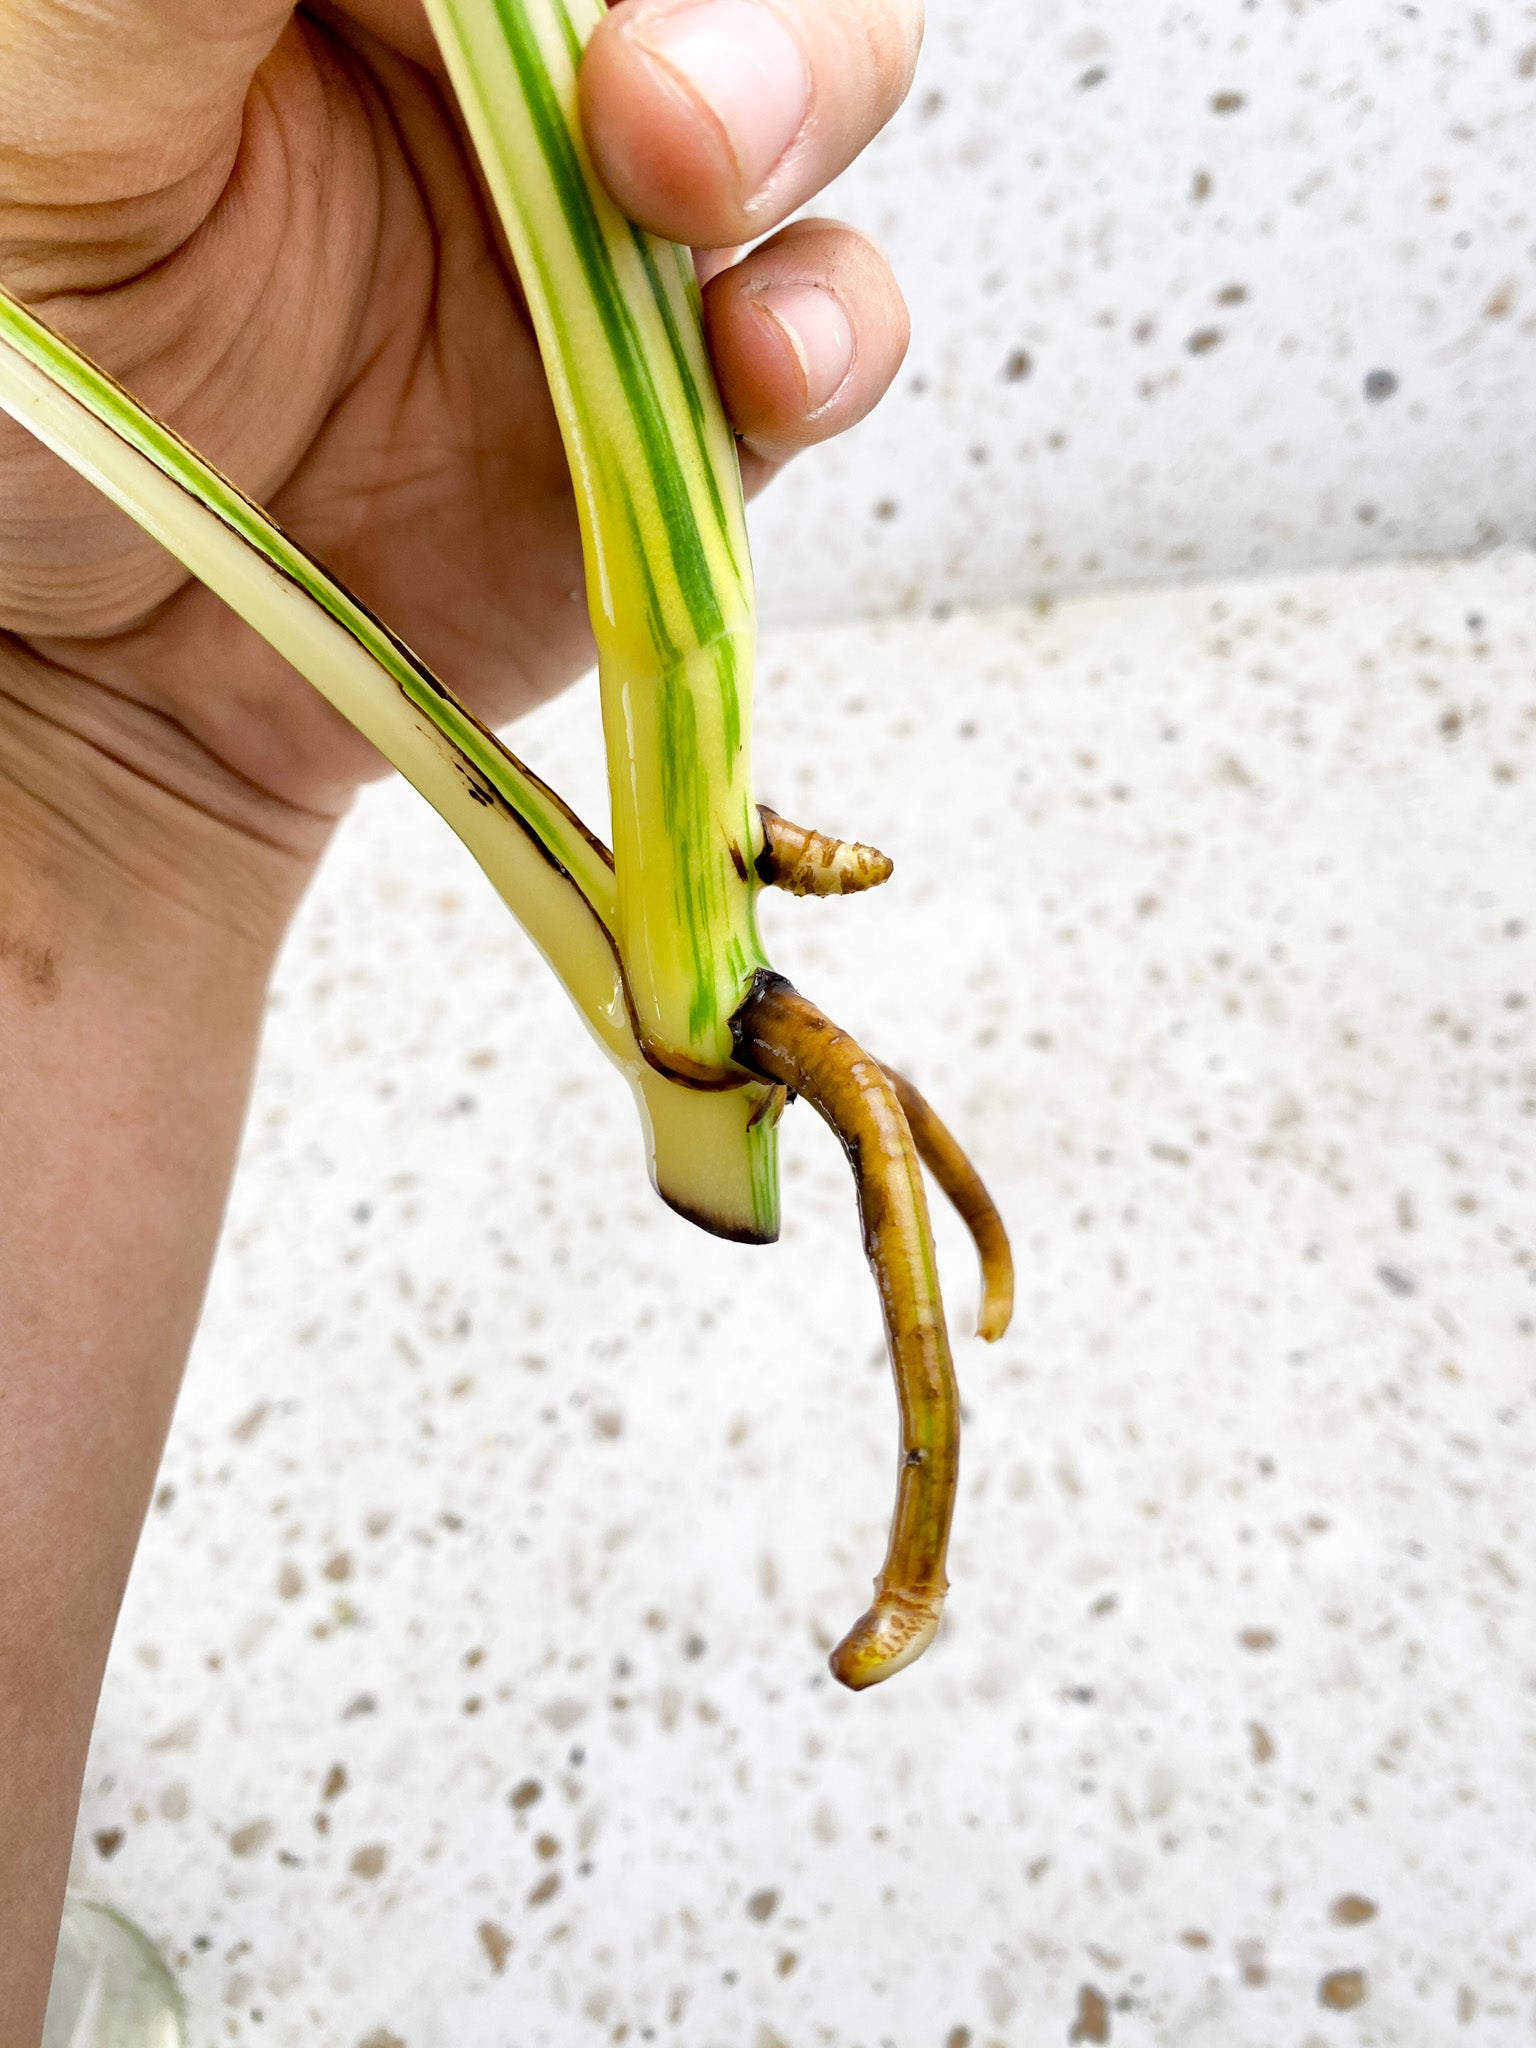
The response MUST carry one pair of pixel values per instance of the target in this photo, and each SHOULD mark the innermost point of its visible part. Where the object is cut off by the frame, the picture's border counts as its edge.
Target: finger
(712, 120)
(807, 333)
(119, 122)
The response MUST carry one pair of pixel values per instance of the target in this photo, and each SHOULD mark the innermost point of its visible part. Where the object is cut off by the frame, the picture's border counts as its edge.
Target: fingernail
(740, 60)
(814, 324)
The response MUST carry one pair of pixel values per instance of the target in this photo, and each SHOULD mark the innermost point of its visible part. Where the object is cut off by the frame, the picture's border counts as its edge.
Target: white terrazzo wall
(470, 1689)
(1198, 290)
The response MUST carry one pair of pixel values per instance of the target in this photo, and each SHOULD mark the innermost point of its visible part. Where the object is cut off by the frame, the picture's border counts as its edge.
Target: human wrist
(143, 895)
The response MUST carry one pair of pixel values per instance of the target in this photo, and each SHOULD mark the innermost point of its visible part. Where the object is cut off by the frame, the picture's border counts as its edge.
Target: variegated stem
(658, 487)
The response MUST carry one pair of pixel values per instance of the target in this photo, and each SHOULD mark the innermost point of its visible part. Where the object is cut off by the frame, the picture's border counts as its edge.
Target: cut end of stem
(713, 1154)
(891, 1635)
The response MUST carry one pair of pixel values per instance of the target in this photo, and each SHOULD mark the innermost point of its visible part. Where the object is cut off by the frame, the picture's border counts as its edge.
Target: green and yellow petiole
(658, 490)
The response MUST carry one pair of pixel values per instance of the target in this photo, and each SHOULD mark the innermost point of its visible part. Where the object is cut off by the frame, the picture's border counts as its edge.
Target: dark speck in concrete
(1342, 1990)
(1092, 2021)
(1380, 385)
(497, 1944)
(1251, 1965)
(1351, 1909)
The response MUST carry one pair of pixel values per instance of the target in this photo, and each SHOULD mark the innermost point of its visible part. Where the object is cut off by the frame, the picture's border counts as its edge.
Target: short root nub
(808, 863)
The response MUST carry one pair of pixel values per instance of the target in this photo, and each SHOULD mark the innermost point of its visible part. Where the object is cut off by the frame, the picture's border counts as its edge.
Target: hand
(267, 225)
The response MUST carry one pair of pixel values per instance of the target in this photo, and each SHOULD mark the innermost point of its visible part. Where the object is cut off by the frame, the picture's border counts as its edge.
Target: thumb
(119, 122)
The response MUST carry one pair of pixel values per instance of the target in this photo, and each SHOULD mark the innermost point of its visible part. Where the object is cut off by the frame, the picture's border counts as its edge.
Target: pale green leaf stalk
(556, 878)
(658, 487)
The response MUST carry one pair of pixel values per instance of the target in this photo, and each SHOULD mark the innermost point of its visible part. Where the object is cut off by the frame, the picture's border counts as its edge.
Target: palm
(406, 437)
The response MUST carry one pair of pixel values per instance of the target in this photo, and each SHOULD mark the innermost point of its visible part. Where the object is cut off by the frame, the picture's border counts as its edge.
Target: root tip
(996, 1314)
(891, 1635)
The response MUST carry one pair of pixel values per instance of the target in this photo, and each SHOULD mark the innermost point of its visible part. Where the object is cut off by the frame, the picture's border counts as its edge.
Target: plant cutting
(657, 940)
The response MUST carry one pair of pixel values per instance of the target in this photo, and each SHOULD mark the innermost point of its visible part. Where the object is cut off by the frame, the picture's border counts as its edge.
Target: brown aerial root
(940, 1152)
(810, 863)
(784, 1038)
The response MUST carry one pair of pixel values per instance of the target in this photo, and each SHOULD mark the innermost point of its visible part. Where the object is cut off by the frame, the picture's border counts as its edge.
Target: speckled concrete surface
(1197, 290)
(470, 1689)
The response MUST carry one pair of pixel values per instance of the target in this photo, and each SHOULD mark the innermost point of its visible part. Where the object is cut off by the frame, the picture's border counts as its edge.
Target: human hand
(267, 224)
